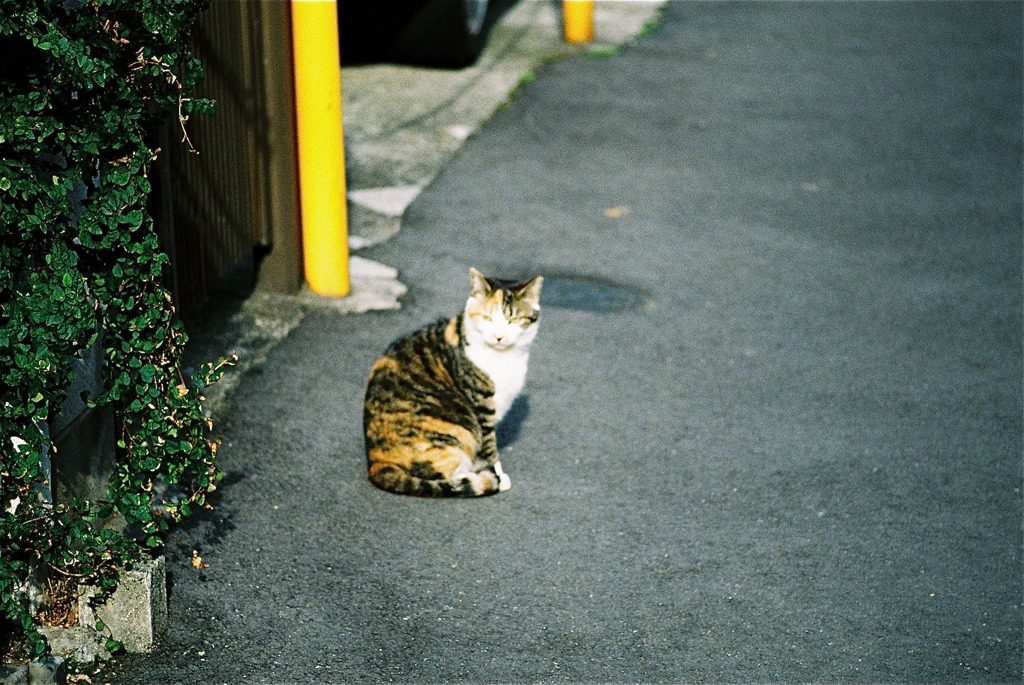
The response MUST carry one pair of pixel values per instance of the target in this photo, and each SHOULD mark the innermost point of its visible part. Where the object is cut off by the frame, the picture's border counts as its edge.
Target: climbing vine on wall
(83, 86)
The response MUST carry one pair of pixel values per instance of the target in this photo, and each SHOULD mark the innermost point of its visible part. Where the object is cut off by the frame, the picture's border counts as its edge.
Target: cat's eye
(482, 317)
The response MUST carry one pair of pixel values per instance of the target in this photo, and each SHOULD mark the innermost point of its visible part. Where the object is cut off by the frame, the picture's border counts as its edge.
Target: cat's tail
(396, 479)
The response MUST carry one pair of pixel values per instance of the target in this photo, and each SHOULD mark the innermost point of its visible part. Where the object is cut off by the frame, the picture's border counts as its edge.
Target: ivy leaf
(147, 373)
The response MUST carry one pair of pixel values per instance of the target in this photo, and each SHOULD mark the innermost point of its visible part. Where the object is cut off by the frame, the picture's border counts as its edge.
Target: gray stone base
(134, 615)
(49, 671)
(137, 611)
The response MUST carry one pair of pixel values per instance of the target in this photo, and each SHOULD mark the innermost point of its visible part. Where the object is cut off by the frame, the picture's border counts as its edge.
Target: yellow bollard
(316, 64)
(578, 20)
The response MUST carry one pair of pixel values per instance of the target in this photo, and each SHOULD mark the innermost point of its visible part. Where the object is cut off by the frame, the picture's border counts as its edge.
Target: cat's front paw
(504, 482)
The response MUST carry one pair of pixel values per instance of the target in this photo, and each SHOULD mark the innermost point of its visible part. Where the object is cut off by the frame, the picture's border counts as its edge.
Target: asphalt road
(799, 459)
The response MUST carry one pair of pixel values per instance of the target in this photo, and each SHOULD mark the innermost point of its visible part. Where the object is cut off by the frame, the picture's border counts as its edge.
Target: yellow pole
(317, 67)
(578, 20)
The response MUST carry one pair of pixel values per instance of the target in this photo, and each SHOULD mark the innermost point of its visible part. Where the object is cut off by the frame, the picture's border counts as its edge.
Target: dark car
(443, 33)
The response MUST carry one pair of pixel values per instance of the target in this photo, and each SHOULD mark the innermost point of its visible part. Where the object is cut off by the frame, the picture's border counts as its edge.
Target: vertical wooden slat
(281, 268)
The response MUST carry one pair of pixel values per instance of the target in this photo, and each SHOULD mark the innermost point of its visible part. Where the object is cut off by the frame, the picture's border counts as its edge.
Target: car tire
(443, 33)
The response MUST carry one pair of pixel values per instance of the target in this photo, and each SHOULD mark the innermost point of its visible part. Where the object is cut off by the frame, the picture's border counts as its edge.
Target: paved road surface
(798, 460)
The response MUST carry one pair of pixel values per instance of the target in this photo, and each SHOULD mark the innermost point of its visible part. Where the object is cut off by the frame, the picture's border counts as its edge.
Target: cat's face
(502, 315)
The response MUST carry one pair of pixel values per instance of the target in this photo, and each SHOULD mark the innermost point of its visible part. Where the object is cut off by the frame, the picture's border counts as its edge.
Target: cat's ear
(529, 292)
(479, 285)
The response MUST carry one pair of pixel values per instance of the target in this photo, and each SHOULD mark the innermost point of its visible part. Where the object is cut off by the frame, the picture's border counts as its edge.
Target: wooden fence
(233, 207)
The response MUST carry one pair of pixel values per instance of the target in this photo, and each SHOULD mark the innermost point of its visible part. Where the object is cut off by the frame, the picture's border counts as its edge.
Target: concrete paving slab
(391, 201)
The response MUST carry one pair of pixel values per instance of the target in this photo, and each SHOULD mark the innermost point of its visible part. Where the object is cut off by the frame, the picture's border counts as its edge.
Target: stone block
(137, 611)
(77, 644)
(49, 671)
(13, 674)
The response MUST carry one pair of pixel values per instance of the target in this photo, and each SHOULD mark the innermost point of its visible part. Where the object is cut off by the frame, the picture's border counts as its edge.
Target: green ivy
(83, 86)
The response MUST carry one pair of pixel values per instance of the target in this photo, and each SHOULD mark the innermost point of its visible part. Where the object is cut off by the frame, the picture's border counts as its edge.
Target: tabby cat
(434, 398)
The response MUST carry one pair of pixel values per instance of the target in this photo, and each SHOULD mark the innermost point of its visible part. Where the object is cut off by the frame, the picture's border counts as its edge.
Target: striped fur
(430, 415)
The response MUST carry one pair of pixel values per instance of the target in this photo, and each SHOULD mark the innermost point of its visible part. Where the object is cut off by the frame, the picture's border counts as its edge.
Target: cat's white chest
(507, 369)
